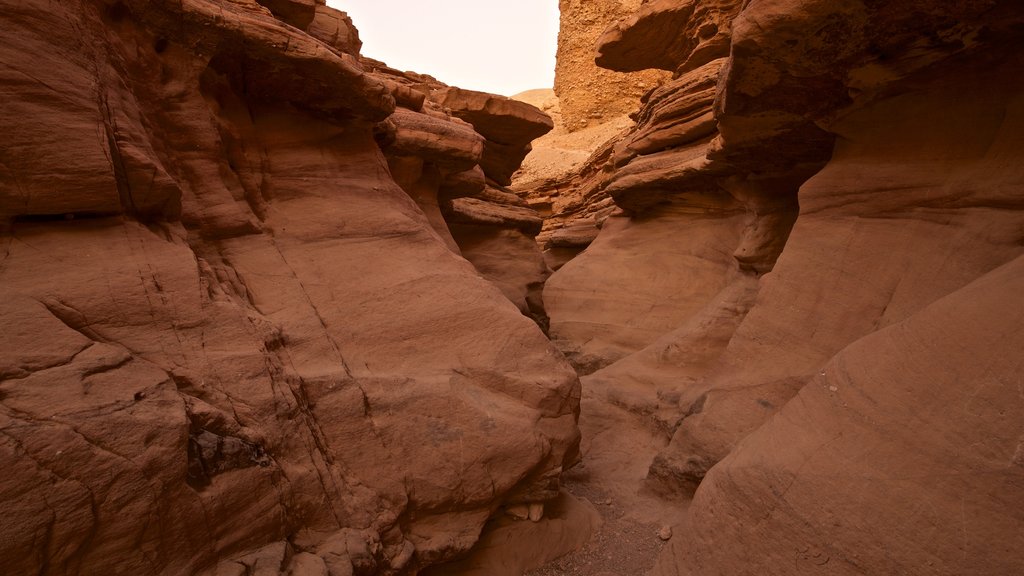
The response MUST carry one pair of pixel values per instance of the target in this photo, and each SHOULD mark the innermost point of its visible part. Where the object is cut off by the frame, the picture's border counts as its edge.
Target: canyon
(752, 305)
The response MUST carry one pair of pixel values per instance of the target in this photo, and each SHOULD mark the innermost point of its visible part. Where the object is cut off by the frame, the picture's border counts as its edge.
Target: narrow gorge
(740, 295)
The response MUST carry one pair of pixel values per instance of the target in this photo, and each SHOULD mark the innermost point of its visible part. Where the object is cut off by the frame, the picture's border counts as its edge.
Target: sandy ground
(617, 451)
(609, 524)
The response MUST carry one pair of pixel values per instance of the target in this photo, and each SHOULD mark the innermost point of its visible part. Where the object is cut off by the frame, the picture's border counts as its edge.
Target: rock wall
(238, 337)
(822, 226)
(453, 151)
(589, 94)
(606, 43)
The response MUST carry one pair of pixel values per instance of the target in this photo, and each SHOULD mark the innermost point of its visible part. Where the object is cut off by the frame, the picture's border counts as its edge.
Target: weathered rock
(738, 396)
(673, 35)
(497, 118)
(589, 94)
(508, 125)
(446, 143)
(298, 13)
(462, 184)
(667, 275)
(430, 154)
(799, 375)
(230, 336)
(574, 200)
(670, 173)
(482, 211)
(448, 155)
(495, 230)
(511, 547)
(902, 455)
(335, 28)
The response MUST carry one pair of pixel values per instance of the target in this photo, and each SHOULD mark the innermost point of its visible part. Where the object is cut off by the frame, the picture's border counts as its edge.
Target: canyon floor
(635, 524)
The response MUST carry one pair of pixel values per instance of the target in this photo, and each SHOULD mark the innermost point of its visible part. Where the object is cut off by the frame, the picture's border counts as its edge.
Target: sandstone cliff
(810, 289)
(238, 336)
(589, 94)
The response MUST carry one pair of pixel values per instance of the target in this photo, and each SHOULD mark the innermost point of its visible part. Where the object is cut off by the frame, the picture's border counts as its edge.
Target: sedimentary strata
(236, 340)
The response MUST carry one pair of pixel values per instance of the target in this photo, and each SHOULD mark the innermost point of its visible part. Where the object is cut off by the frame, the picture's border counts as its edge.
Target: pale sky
(499, 46)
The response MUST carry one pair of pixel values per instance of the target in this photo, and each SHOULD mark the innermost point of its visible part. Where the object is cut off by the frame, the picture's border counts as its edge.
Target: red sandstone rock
(589, 94)
(444, 162)
(673, 35)
(889, 284)
(233, 344)
(298, 13)
(335, 28)
(495, 230)
(668, 275)
(508, 125)
(903, 454)
(447, 144)
(737, 396)
(674, 171)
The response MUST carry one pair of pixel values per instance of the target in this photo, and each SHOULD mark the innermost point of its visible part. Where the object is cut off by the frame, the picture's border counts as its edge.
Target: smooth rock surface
(232, 343)
(838, 391)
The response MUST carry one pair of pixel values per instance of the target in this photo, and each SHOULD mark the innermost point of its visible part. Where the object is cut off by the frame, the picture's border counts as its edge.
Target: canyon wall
(809, 289)
(589, 94)
(269, 306)
(239, 337)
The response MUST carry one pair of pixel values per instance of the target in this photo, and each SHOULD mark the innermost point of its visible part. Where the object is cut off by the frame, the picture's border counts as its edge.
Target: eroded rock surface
(232, 342)
(453, 150)
(845, 182)
(589, 94)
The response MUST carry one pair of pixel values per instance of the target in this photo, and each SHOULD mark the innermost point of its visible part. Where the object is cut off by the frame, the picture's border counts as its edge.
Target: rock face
(556, 180)
(822, 226)
(452, 150)
(589, 94)
(667, 170)
(903, 455)
(233, 340)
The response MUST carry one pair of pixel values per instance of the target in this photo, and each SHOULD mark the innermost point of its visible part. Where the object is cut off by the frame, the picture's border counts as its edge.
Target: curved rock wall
(834, 390)
(232, 342)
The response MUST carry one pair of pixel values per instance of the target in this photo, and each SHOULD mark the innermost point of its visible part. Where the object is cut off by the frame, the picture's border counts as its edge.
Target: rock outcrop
(589, 94)
(452, 150)
(822, 227)
(235, 339)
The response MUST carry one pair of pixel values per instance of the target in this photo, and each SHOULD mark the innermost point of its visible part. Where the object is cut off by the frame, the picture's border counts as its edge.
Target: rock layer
(675, 165)
(450, 149)
(589, 94)
(844, 378)
(233, 343)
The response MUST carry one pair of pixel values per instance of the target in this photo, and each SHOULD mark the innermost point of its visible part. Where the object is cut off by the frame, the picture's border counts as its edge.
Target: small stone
(665, 533)
(536, 511)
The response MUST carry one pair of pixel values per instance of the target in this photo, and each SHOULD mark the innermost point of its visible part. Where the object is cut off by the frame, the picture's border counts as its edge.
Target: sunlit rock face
(234, 339)
(588, 93)
(822, 226)
(592, 104)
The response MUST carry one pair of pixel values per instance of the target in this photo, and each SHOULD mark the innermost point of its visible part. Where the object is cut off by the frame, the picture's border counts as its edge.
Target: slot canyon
(741, 294)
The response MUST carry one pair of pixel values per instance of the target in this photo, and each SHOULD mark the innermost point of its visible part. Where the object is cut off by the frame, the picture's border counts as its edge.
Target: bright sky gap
(490, 45)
